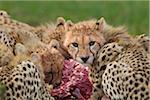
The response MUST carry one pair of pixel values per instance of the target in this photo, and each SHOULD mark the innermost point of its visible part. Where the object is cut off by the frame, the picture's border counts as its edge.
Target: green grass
(2, 91)
(133, 14)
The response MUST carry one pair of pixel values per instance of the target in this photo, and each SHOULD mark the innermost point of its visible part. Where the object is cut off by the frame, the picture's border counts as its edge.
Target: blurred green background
(133, 14)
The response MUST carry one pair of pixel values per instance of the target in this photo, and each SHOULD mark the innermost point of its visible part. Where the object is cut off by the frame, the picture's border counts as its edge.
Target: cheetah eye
(91, 43)
(75, 44)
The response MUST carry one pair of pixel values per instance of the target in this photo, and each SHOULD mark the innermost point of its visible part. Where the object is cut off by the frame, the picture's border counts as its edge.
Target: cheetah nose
(84, 59)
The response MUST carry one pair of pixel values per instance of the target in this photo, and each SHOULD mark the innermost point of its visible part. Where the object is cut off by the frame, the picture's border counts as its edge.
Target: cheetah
(47, 57)
(125, 72)
(85, 40)
(51, 59)
(122, 72)
(52, 63)
(23, 82)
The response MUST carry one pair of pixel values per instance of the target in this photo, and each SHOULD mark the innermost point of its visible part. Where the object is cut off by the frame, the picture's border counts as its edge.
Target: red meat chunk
(75, 82)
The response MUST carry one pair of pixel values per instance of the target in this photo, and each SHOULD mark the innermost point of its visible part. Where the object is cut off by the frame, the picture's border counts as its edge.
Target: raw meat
(75, 82)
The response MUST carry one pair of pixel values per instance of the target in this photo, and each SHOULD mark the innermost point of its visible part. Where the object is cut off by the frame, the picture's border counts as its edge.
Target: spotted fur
(23, 82)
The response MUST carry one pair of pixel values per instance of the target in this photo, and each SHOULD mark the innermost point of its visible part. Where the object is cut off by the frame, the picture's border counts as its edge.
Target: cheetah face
(84, 40)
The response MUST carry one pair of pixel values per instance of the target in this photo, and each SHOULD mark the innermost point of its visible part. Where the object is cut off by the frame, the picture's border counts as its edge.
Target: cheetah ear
(100, 24)
(60, 21)
(69, 24)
